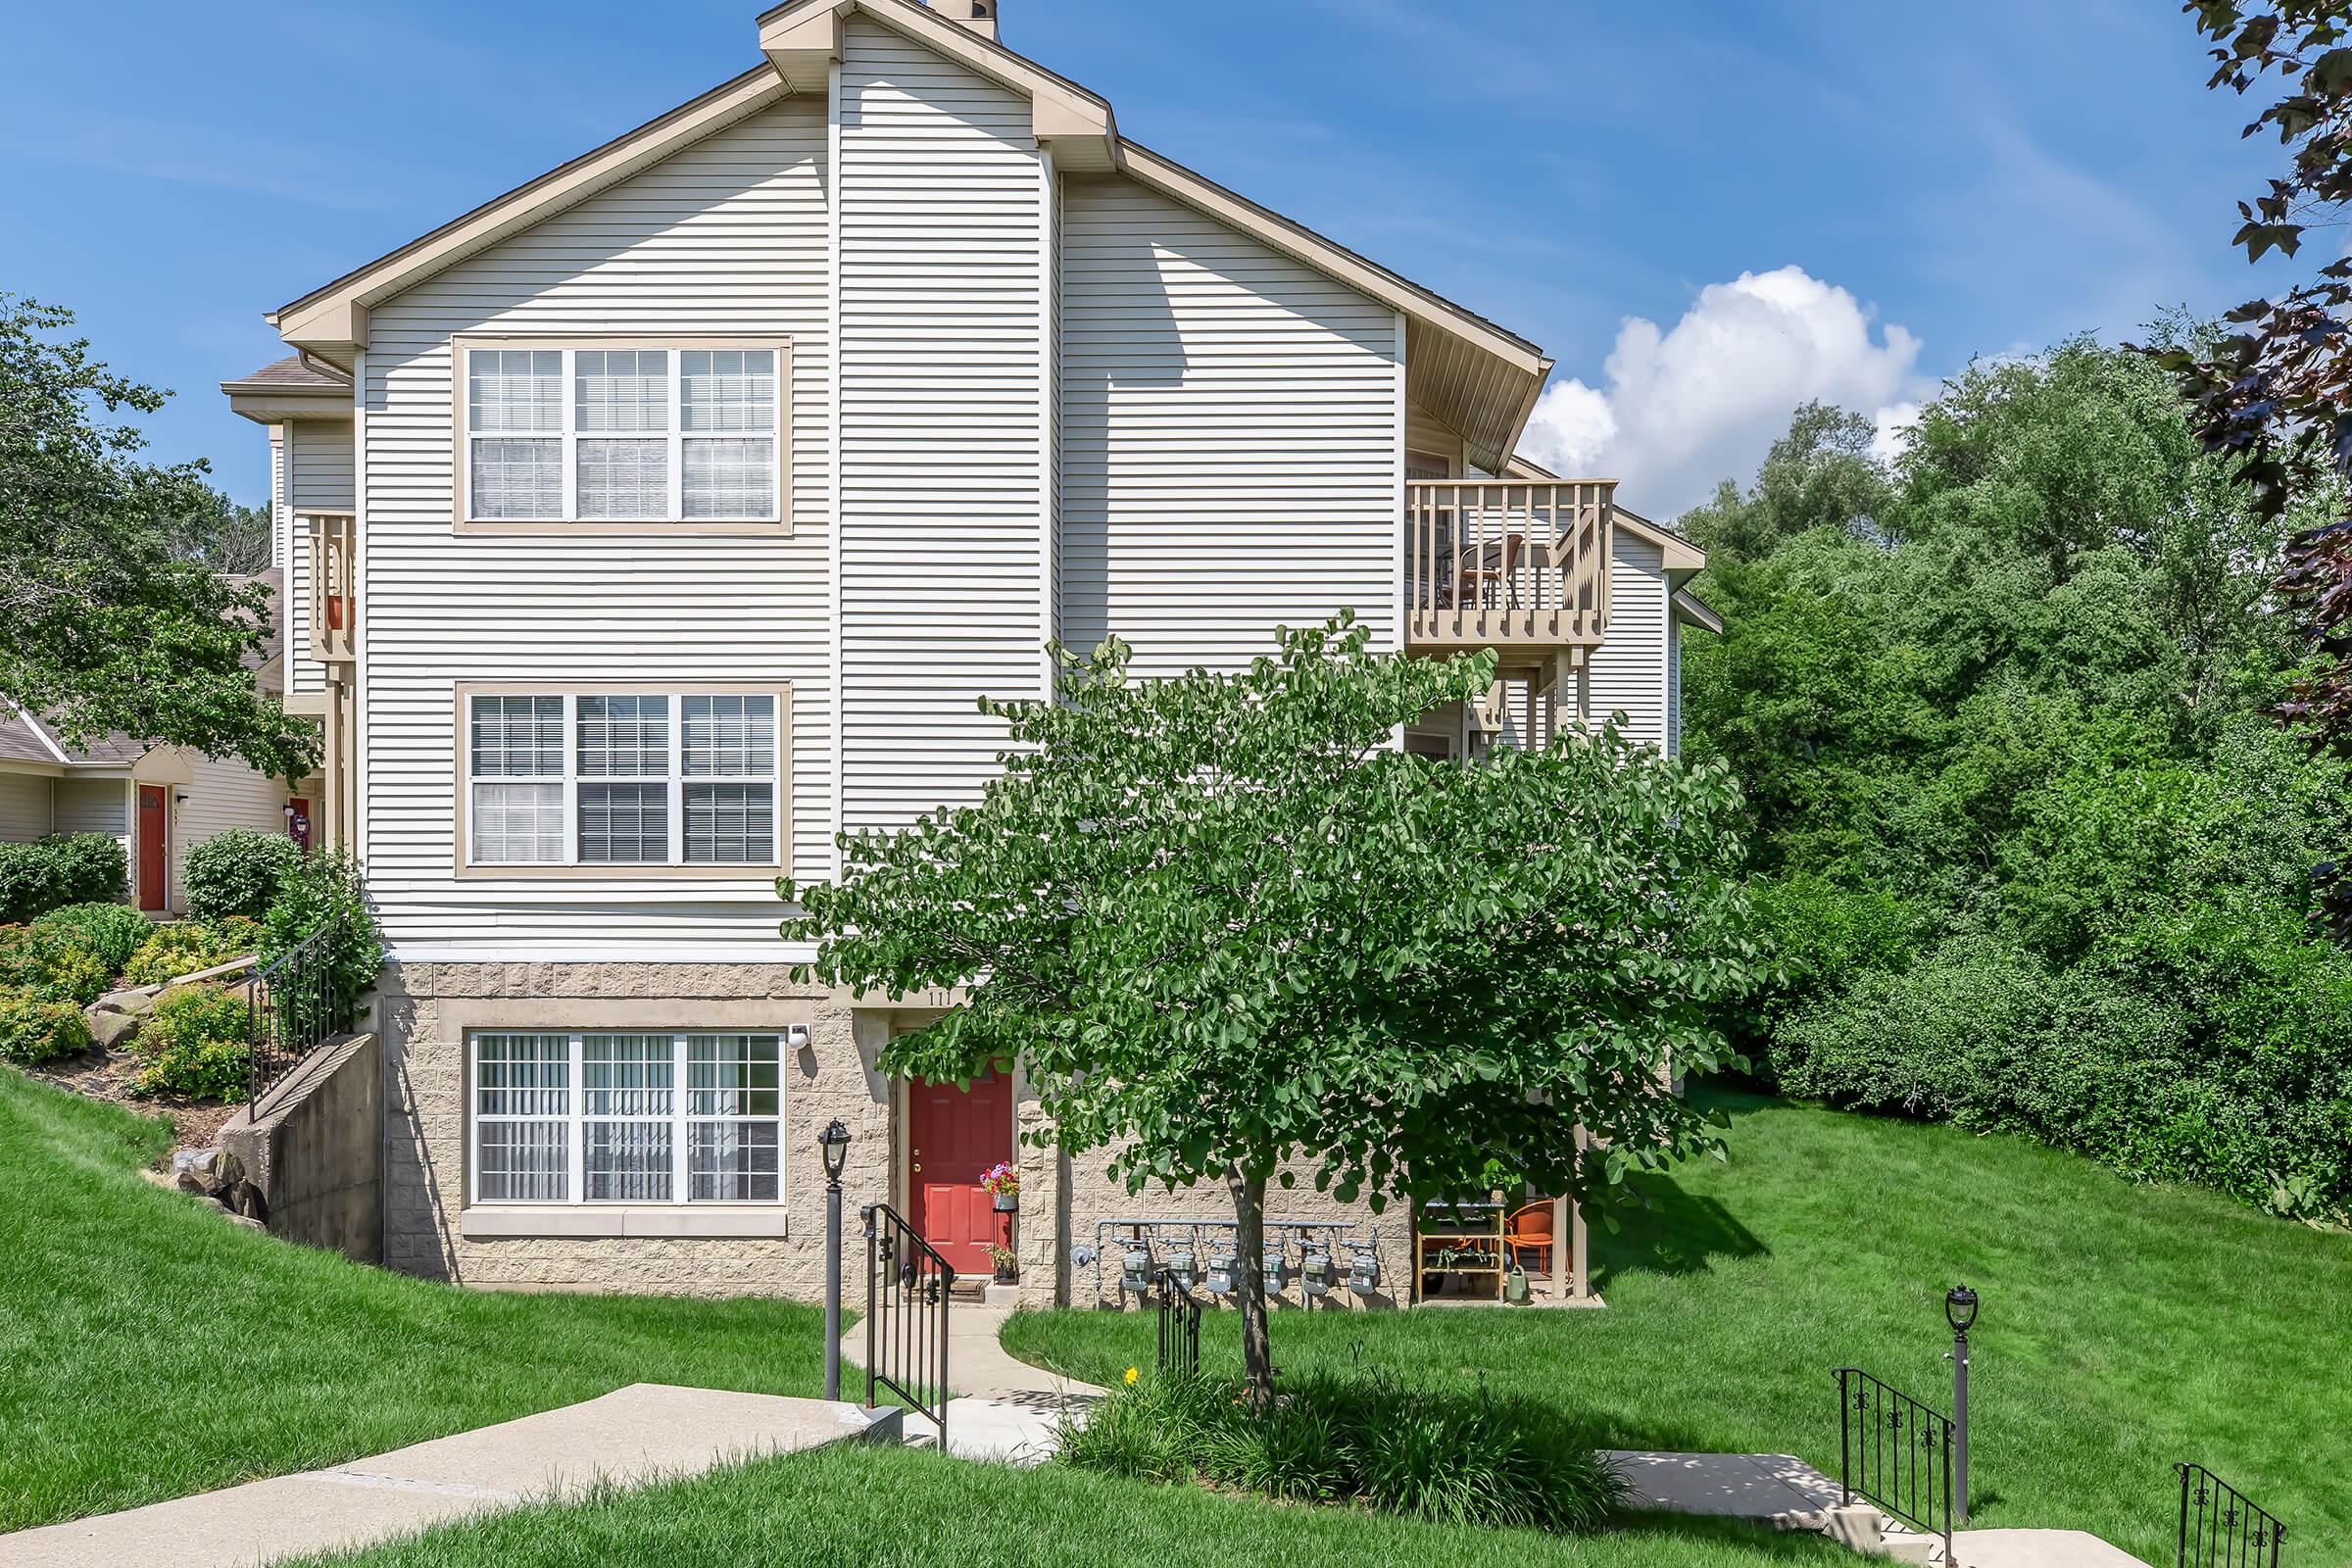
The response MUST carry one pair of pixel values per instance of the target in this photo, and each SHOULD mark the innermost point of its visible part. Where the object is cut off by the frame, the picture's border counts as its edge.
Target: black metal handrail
(908, 1285)
(2220, 1526)
(292, 1008)
(1179, 1330)
(1894, 1451)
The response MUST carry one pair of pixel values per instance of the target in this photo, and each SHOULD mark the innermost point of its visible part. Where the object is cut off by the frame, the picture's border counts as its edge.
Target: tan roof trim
(40, 732)
(1689, 607)
(1680, 555)
(334, 317)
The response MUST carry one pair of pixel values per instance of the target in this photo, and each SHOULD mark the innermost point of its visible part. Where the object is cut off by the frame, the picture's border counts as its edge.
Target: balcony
(329, 600)
(1518, 567)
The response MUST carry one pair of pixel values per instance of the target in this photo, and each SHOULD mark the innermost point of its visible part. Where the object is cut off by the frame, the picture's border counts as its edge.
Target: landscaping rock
(137, 1000)
(208, 1172)
(109, 1029)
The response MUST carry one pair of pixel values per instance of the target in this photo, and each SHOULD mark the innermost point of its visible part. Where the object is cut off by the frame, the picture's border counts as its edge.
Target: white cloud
(1890, 429)
(1682, 409)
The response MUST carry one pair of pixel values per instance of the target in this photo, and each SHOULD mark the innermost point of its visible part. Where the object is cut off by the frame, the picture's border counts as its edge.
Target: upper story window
(622, 778)
(621, 435)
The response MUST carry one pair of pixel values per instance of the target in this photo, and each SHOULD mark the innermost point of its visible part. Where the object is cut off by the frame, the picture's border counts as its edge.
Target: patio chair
(1488, 570)
(1530, 1231)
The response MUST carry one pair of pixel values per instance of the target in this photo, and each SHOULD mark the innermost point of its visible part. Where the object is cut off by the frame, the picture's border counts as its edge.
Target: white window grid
(563, 1095)
(615, 412)
(535, 743)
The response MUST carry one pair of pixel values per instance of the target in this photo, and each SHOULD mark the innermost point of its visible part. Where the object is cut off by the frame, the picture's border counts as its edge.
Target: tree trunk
(1249, 1284)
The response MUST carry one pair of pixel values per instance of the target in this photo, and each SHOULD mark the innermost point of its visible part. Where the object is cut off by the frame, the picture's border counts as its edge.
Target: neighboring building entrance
(954, 1136)
(154, 834)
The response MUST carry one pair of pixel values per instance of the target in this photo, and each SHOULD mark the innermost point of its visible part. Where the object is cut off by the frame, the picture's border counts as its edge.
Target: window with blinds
(622, 779)
(613, 1117)
(587, 434)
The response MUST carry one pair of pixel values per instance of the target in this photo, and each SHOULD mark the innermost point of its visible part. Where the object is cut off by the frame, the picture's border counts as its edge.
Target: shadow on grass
(1671, 1233)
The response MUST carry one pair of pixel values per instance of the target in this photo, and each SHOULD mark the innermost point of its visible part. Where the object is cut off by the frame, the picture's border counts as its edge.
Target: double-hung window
(619, 435)
(627, 1117)
(641, 777)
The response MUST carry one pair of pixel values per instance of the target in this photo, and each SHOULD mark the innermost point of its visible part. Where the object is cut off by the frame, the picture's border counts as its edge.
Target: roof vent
(978, 14)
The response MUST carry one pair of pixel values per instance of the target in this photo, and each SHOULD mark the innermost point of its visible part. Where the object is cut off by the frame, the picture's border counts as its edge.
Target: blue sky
(1902, 184)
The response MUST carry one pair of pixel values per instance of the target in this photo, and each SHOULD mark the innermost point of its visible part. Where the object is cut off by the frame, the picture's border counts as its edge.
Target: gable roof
(29, 739)
(1476, 374)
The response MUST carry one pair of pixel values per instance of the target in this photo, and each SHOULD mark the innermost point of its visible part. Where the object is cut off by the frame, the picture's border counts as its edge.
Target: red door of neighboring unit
(298, 822)
(952, 1136)
(153, 831)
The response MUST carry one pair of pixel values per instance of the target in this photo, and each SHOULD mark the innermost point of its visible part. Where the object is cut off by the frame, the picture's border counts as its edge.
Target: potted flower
(1004, 1184)
(1007, 1265)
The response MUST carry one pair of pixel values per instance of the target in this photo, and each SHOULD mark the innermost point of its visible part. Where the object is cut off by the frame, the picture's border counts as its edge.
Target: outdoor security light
(1136, 1274)
(1960, 1307)
(1222, 1265)
(834, 1143)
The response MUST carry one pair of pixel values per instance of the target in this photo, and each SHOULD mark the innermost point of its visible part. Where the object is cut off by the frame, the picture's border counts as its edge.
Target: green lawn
(149, 1349)
(2123, 1326)
(905, 1508)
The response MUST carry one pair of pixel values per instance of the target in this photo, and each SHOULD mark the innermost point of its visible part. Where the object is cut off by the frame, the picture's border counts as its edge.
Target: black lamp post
(834, 1144)
(1960, 1310)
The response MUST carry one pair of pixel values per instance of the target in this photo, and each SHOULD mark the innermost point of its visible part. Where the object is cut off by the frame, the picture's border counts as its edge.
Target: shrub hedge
(194, 1044)
(35, 1029)
(236, 872)
(111, 931)
(188, 946)
(1447, 1455)
(59, 869)
(53, 963)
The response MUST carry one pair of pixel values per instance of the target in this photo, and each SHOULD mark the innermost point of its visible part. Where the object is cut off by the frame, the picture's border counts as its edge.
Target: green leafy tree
(1233, 935)
(110, 627)
(1820, 474)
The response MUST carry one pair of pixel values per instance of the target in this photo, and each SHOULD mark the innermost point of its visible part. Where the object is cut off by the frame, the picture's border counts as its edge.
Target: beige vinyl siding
(1628, 670)
(726, 238)
(220, 794)
(92, 805)
(319, 471)
(1229, 437)
(943, 370)
(23, 807)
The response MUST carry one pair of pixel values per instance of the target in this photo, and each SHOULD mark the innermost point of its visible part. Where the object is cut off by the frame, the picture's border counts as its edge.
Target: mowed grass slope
(149, 1349)
(2123, 1328)
(877, 1507)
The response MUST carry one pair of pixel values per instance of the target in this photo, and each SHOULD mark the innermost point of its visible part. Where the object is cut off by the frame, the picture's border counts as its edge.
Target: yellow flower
(1132, 1375)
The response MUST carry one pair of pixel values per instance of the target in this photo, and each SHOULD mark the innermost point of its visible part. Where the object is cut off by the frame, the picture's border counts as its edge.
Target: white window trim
(462, 489)
(677, 867)
(759, 1216)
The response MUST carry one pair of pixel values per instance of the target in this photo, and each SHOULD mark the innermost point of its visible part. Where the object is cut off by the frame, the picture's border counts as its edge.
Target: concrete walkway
(1773, 1488)
(645, 1433)
(1004, 1409)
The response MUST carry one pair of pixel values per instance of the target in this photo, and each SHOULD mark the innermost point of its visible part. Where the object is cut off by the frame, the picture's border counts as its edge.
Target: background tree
(2275, 393)
(106, 623)
(225, 536)
(2031, 849)
(1230, 934)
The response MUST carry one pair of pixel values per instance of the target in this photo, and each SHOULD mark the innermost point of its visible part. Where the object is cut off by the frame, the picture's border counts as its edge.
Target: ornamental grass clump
(1443, 1456)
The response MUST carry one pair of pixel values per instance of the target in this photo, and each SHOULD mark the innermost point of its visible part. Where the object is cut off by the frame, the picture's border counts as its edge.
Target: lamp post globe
(1960, 1310)
(1960, 1307)
(834, 1143)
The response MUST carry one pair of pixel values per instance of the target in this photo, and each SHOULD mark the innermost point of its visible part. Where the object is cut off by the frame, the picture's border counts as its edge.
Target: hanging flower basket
(1002, 1183)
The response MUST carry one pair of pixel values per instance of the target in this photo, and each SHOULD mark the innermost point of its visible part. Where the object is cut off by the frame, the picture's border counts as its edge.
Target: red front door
(952, 1136)
(297, 823)
(153, 830)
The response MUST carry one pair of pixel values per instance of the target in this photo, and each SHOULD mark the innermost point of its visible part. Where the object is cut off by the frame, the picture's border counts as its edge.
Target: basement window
(627, 1118)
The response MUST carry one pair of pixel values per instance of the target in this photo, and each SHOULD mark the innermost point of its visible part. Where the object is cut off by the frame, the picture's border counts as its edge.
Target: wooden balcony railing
(1506, 563)
(330, 603)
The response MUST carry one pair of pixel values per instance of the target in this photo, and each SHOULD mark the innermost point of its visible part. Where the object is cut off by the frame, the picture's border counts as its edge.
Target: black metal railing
(907, 1289)
(1179, 1330)
(2220, 1528)
(1894, 1451)
(292, 1008)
